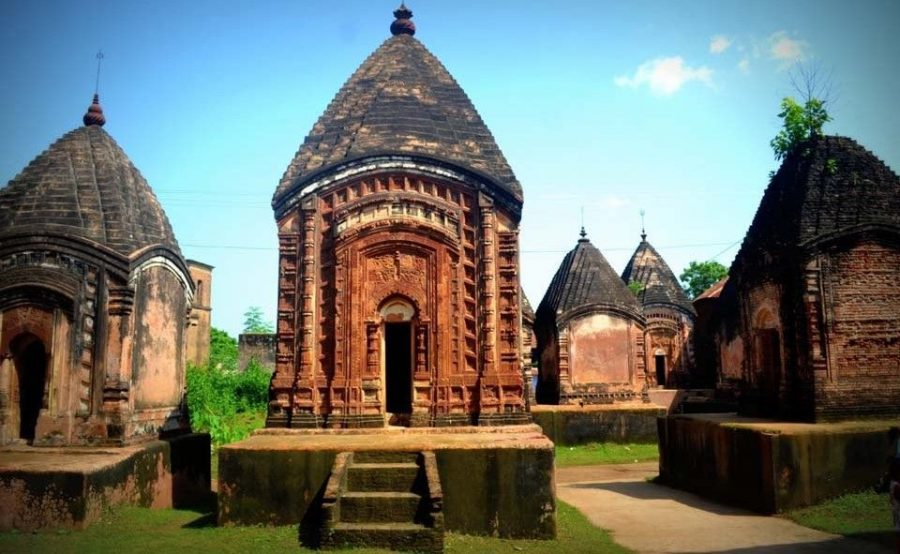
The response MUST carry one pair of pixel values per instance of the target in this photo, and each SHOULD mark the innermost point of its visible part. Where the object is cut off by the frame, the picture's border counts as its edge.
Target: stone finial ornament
(94, 115)
(402, 25)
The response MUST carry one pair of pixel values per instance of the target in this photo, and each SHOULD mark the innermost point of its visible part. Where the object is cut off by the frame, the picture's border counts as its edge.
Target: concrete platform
(496, 481)
(573, 424)
(42, 487)
(770, 466)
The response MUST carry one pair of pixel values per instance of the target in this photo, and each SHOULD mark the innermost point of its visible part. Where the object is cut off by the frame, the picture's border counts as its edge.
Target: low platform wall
(69, 487)
(569, 425)
(496, 481)
(770, 466)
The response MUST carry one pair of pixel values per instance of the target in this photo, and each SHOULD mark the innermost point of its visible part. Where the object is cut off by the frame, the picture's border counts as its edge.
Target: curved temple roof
(85, 185)
(660, 286)
(585, 279)
(401, 100)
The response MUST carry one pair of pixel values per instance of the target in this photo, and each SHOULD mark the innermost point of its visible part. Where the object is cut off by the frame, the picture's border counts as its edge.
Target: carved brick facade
(808, 324)
(94, 295)
(399, 298)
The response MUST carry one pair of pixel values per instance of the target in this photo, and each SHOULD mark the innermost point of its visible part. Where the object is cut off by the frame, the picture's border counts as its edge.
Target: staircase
(384, 499)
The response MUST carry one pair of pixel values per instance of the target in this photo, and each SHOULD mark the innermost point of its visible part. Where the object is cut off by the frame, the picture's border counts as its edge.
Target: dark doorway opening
(398, 367)
(661, 370)
(768, 351)
(30, 358)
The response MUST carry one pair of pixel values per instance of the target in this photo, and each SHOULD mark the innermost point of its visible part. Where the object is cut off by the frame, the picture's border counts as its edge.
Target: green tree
(254, 322)
(223, 350)
(699, 276)
(799, 123)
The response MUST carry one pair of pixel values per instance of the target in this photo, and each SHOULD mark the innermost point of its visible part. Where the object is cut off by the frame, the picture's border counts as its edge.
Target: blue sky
(612, 107)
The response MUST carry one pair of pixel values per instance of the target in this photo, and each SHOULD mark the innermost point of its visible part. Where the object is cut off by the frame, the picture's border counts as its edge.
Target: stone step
(382, 477)
(379, 507)
(410, 537)
(385, 457)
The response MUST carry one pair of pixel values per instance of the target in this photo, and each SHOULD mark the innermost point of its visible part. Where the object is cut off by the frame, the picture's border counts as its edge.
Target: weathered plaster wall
(197, 334)
(158, 363)
(600, 349)
(569, 425)
(257, 346)
(157, 474)
(770, 467)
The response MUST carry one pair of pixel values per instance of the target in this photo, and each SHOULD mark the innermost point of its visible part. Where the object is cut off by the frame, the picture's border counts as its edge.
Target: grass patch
(146, 530)
(596, 453)
(864, 515)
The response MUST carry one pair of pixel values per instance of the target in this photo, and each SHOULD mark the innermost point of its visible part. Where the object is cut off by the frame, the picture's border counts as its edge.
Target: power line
(696, 245)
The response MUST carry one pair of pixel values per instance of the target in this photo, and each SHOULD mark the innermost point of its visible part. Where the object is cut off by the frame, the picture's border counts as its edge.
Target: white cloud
(744, 65)
(785, 49)
(719, 44)
(665, 76)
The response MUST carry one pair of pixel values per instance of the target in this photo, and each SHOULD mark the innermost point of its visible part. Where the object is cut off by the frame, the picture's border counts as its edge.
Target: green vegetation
(254, 322)
(699, 276)
(224, 402)
(597, 453)
(800, 123)
(636, 287)
(864, 515)
(146, 530)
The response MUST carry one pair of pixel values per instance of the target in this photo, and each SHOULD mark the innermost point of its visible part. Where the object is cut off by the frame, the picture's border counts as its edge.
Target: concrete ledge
(572, 424)
(496, 481)
(770, 466)
(70, 487)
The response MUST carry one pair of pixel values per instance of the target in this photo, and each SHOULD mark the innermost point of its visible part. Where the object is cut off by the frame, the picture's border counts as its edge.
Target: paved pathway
(652, 518)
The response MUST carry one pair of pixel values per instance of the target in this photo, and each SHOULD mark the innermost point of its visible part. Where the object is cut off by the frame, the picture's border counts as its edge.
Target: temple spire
(643, 231)
(402, 24)
(94, 114)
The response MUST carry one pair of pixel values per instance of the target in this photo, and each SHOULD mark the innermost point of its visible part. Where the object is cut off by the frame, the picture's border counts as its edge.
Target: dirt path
(650, 518)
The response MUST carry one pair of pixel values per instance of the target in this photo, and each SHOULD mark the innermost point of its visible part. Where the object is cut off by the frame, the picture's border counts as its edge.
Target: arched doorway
(30, 357)
(397, 316)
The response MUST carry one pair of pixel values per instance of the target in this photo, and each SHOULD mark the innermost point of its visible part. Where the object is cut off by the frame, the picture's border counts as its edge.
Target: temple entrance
(660, 369)
(398, 368)
(30, 358)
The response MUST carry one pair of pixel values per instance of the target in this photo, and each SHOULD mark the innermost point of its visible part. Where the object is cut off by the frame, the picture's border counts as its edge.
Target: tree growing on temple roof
(803, 121)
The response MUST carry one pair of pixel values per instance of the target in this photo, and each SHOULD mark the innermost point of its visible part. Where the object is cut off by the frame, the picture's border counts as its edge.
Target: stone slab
(496, 481)
(42, 487)
(573, 424)
(771, 466)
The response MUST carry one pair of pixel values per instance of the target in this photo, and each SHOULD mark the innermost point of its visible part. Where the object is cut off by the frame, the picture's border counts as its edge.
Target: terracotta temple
(669, 314)
(807, 326)
(94, 299)
(590, 334)
(398, 225)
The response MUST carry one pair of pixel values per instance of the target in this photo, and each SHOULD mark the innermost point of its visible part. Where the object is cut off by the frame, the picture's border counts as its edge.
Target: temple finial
(643, 231)
(402, 24)
(94, 114)
(583, 233)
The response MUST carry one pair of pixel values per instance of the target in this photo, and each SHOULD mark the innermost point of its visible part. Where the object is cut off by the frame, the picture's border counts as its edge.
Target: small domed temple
(590, 334)
(670, 317)
(94, 298)
(398, 228)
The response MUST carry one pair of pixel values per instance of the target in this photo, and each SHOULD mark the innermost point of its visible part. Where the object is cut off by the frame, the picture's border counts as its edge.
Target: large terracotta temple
(398, 224)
